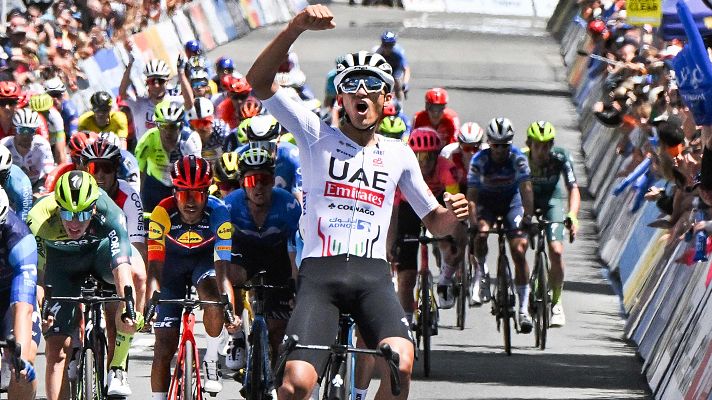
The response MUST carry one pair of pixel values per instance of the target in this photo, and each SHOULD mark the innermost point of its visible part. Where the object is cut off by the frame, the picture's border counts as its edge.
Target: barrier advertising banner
(183, 27)
(219, 34)
(642, 12)
(202, 26)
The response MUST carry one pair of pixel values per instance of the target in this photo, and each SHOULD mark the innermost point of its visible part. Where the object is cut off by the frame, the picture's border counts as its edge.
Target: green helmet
(241, 131)
(541, 131)
(392, 126)
(76, 191)
(169, 112)
(255, 159)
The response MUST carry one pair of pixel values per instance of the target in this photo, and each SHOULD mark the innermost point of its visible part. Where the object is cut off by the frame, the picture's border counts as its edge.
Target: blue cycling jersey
(287, 172)
(70, 116)
(18, 261)
(19, 191)
(498, 179)
(396, 59)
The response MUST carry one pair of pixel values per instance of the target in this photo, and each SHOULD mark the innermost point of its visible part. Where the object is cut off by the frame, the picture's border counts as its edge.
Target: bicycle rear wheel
(426, 318)
(504, 301)
(541, 296)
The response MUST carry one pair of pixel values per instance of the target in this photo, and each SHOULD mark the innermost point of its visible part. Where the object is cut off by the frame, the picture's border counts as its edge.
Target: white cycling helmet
(470, 133)
(500, 130)
(54, 85)
(202, 108)
(4, 206)
(109, 137)
(364, 61)
(157, 68)
(262, 128)
(5, 159)
(26, 118)
(199, 74)
(169, 112)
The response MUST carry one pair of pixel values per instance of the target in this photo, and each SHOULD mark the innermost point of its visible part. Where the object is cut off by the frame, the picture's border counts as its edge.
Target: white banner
(424, 5)
(183, 27)
(496, 7)
(216, 25)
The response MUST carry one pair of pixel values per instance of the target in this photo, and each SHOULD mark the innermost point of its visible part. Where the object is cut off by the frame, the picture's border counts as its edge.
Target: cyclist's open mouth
(362, 107)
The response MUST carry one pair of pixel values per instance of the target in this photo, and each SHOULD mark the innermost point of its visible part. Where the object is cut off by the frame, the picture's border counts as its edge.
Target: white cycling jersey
(348, 189)
(143, 109)
(37, 163)
(130, 202)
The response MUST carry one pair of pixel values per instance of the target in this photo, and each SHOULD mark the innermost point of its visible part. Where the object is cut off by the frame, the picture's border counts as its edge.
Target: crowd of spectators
(640, 99)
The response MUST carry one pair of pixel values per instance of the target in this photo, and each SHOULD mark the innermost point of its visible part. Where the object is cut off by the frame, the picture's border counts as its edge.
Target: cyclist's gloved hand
(180, 63)
(28, 370)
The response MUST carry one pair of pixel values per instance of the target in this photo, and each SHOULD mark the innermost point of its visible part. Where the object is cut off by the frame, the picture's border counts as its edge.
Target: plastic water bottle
(700, 239)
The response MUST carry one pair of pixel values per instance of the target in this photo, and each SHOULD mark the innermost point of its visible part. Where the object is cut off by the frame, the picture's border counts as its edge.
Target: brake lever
(393, 360)
(151, 306)
(229, 317)
(130, 304)
(287, 347)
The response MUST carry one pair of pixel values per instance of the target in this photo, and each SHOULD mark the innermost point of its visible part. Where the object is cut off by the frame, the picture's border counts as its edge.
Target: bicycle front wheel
(542, 302)
(463, 285)
(256, 366)
(426, 318)
(188, 372)
(89, 388)
(505, 303)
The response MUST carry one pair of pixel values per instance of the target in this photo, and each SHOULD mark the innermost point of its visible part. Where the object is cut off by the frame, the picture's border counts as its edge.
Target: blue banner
(693, 70)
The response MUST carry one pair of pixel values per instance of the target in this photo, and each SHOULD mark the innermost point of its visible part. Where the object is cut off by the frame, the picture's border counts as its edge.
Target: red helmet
(239, 85)
(424, 139)
(192, 173)
(250, 108)
(390, 110)
(10, 90)
(596, 27)
(79, 141)
(436, 96)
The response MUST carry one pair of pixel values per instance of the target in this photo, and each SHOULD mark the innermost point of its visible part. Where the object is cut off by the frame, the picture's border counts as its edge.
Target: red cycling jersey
(447, 128)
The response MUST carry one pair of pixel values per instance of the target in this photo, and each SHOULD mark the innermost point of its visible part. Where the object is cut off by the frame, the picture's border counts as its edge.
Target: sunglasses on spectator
(103, 166)
(80, 216)
(228, 186)
(470, 148)
(8, 102)
(192, 196)
(26, 130)
(238, 96)
(371, 84)
(155, 81)
(202, 123)
(253, 180)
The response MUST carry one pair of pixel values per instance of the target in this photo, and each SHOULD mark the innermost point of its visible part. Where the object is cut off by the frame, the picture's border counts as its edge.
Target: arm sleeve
(158, 227)
(413, 186)
(141, 152)
(47, 159)
(568, 171)
(23, 259)
(116, 232)
(296, 118)
(294, 213)
(474, 174)
(220, 222)
(133, 209)
(83, 121)
(521, 169)
(20, 192)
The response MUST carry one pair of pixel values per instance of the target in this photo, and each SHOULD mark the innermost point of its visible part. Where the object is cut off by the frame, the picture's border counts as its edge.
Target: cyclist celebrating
(80, 231)
(44, 105)
(439, 175)
(31, 152)
(395, 56)
(103, 119)
(351, 171)
(438, 116)
(499, 184)
(470, 140)
(159, 148)
(213, 131)
(548, 163)
(18, 273)
(16, 184)
(188, 230)
(262, 131)
(265, 219)
(226, 173)
(143, 107)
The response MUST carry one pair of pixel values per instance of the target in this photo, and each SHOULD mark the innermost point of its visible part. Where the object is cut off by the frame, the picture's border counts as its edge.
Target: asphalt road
(491, 66)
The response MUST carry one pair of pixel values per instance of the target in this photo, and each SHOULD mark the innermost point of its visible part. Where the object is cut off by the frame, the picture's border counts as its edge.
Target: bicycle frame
(339, 382)
(186, 337)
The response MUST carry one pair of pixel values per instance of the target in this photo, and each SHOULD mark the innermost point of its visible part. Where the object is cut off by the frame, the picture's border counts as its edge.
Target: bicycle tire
(504, 301)
(88, 379)
(188, 371)
(543, 293)
(256, 367)
(463, 286)
(426, 321)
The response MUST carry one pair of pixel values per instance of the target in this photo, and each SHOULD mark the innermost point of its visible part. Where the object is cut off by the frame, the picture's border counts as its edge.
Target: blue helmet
(225, 63)
(389, 37)
(193, 46)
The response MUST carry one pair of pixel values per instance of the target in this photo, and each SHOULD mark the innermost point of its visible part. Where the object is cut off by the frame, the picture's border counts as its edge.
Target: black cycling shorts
(328, 286)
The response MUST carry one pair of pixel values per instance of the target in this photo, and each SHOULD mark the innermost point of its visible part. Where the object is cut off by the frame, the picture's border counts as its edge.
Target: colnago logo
(349, 207)
(333, 189)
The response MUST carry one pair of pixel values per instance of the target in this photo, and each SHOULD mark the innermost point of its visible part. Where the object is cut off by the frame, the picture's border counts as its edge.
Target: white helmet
(364, 61)
(470, 133)
(202, 108)
(157, 68)
(199, 74)
(26, 118)
(54, 85)
(4, 205)
(5, 159)
(500, 130)
(110, 137)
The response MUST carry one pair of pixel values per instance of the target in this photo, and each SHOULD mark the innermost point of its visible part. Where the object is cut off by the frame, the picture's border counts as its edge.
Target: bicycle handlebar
(384, 350)
(84, 299)
(423, 239)
(190, 303)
